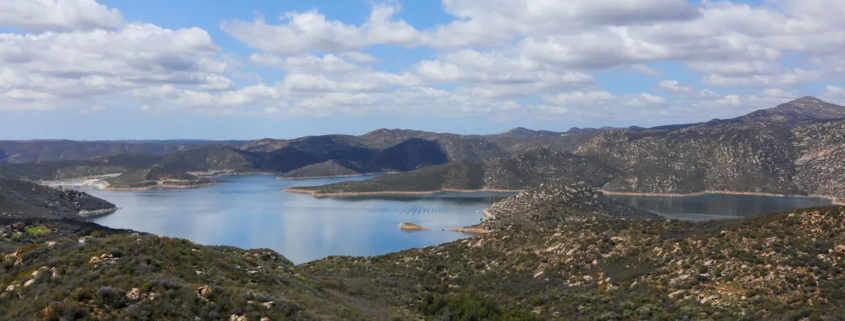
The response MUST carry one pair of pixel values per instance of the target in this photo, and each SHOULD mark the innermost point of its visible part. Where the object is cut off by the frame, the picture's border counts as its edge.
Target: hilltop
(550, 205)
(804, 109)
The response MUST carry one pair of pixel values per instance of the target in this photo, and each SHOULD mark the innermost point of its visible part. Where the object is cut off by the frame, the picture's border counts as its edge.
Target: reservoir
(251, 211)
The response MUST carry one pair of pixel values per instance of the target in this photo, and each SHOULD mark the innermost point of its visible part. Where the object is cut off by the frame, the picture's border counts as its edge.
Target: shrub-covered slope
(537, 166)
(549, 205)
(22, 199)
(755, 157)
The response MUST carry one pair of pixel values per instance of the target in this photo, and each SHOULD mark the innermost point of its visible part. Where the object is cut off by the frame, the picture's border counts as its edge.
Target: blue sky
(154, 69)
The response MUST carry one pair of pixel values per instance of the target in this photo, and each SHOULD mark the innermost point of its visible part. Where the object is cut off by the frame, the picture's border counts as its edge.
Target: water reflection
(252, 212)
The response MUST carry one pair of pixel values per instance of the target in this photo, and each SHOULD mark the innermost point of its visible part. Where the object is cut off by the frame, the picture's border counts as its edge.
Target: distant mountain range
(790, 149)
(667, 159)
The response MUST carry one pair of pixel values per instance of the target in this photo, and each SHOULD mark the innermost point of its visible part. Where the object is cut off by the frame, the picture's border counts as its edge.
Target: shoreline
(833, 200)
(469, 230)
(158, 186)
(335, 176)
(319, 177)
(228, 173)
(389, 193)
(93, 213)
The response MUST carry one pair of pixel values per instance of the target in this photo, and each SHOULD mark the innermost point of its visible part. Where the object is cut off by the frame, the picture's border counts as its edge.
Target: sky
(214, 69)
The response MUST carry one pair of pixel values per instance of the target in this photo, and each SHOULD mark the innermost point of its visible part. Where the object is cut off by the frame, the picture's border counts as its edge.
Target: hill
(757, 157)
(49, 170)
(804, 109)
(331, 168)
(155, 177)
(457, 176)
(54, 150)
(537, 166)
(22, 199)
(549, 205)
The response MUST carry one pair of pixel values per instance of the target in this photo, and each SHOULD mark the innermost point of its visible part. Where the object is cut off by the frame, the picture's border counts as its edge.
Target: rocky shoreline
(100, 212)
(408, 226)
(160, 185)
(327, 176)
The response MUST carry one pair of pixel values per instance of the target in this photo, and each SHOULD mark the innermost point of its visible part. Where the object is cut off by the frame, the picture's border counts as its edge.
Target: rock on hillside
(22, 199)
(550, 205)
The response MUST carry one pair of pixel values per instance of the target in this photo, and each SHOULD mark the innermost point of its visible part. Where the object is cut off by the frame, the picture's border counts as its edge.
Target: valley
(727, 219)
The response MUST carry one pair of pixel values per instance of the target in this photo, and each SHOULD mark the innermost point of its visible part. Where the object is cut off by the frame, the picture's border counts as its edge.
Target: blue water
(251, 212)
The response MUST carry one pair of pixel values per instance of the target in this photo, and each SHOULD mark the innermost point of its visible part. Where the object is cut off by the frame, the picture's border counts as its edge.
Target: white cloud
(307, 63)
(305, 32)
(581, 98)
(58, 15)
(673, 86)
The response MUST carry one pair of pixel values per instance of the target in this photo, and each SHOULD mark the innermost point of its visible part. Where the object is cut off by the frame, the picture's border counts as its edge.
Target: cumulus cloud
(505, 57)
(673, 86)
(311, 31)
(58, 15)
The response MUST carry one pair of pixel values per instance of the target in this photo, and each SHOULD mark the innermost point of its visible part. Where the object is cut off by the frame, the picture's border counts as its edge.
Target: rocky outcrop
(24, 199)
(408, 226)
(550, 205)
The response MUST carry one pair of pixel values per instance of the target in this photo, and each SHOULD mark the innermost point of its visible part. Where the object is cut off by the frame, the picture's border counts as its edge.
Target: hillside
(541, 165)
(766, 157)
(804, 109)
(156, 177)
(549, 205)
(331, 168)
(22, 199)
(537, 166)
(48, 170)
(54, 150)
(460, 176)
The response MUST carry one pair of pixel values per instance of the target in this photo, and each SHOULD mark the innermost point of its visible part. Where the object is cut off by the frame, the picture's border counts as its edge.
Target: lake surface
(250, 211)
(717, 206)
